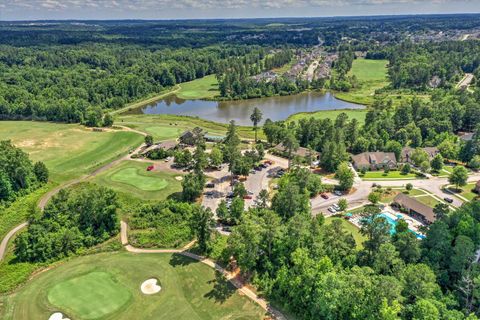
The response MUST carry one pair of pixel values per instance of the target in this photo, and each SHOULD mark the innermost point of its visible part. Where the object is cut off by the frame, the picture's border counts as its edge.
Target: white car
(338, 193)
(332, 210)
(336, 207)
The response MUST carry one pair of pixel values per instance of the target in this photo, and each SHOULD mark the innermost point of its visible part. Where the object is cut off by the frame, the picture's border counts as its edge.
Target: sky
(196, 9)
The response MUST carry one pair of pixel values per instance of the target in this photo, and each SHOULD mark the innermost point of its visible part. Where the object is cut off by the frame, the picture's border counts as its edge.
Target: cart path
(228, 275)
(47, 196)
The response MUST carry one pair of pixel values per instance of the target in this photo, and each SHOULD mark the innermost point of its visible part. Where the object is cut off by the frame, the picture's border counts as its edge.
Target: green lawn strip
(350, 227)
(133, 178)
(466, 192)
(392, 175)
(68, 150)
(157, 125)
(89, 296)
(203, 88)
(428, 200)
(190, 290)
(331, 114)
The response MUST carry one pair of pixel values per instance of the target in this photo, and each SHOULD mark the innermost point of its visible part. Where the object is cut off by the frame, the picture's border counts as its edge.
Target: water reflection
(275, 108)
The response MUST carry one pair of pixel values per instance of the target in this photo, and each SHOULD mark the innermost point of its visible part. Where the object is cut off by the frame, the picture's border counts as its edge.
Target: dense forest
(18, 174)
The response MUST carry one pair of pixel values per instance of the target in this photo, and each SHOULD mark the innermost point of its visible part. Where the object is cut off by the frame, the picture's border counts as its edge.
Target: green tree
(474, 164)
(216, 157)
(236, 210)
(345, 176)
(6, 190)
(256, 117)
(262, 199)
(192, 187)
(107, 120)
(406, 168)
(374, 197)
(419, 156)
(239, 190)
(425, 166)
(148, 140)
(290, 144)
(202, 225)
(222, 212)
(41, 171)
(409, 187)
(343, 204)
(458, 177)
(437, 163)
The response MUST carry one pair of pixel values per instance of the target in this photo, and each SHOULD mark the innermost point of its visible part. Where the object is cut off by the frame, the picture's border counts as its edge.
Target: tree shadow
(179, 260)
(222, 289)
(175, 196)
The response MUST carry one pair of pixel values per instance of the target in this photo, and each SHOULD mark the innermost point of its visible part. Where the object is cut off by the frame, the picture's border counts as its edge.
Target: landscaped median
(391, 175)
(466, 192)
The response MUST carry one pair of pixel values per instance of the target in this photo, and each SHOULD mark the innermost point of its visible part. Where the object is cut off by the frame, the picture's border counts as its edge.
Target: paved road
(228, 275)
(4, 243)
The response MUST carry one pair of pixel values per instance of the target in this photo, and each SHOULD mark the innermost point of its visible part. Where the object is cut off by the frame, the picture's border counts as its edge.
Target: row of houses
(382, 160)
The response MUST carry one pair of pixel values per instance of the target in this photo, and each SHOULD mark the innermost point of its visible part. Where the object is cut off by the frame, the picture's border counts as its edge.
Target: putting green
(107, 286)
(133, 177)
(89, 296)
(164, 132)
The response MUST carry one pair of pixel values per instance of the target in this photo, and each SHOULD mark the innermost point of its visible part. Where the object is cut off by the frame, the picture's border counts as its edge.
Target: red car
(247, 197)
(324, 196)
(150, 168)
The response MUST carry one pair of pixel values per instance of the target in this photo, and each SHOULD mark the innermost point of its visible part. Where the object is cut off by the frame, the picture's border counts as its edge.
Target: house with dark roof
(374, 160)
(415, 208)
(300, 152)
(406, 154)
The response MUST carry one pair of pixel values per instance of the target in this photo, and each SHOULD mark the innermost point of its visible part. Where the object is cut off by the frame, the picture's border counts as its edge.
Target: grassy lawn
(394, 175)
(132, 177)
(92, 295)
(388, 196)
(428, 200)
(68, 150)
(165, 126)
(107, 286)
(203, 88)
(359, 238)
(371, 75)
(331, 114)
(466, 191)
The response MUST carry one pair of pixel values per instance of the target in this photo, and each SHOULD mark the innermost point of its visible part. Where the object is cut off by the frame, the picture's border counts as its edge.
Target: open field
(371, 75)
(203, 88)
(132, 177)
(331, 114)
(166, 127)
(190, 290)
(359, 238)
(392, 175)
(68, 150)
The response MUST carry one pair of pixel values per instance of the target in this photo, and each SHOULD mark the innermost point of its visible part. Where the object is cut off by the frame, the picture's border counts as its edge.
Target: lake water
(274, 108)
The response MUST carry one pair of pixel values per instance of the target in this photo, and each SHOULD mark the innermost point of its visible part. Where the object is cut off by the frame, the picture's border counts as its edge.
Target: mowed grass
(392, 175)
(428, 200)
(132, 177)
(466, 191)
(166, 126)
(203, 88)
(371, 75)
(68, 150)
(190, 290)
(90, 296)
(351, 228)
(331, 114)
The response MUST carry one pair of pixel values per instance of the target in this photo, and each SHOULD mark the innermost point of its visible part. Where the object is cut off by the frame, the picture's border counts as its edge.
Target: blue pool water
(393, 224)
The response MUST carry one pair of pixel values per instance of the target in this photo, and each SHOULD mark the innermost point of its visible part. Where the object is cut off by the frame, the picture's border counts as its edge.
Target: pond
(274, 108)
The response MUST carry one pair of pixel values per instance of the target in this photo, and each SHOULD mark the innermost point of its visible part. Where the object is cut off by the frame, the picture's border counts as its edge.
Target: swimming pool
(393, 223)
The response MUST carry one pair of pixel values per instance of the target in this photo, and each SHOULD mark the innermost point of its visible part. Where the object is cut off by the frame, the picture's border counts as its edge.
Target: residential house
(406, 154)
(415, 208)
(374, 160)
(300, 152)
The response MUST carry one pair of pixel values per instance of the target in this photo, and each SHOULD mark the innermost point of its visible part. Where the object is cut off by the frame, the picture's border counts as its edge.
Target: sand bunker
(179, 178)
(57, 316)
(150, 286)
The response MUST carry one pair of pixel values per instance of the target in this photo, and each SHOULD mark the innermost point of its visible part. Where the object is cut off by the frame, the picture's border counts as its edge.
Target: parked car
(257, 168)
(324, 196)
(449, 200)
(268, 162)
(249, 192)
(252, 171)
(338, 193)
(247, 197)
(336, 207)
(150, 168)
(230, 195)
(332, 210)
(210, 185)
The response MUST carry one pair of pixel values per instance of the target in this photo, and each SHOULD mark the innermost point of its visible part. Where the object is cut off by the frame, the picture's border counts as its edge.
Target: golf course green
(133, 178)
(68, 150)
(107, 286)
